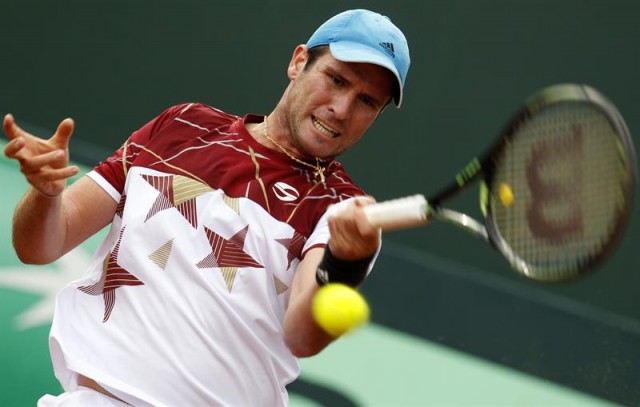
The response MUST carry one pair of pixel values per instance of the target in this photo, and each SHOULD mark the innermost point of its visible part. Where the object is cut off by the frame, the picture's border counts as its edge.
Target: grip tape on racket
(394, 214)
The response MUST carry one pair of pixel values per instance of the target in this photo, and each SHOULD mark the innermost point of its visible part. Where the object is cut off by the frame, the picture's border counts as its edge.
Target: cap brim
(347, 51)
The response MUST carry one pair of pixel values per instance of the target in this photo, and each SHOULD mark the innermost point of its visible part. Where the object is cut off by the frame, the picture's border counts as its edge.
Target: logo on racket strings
(555, 212)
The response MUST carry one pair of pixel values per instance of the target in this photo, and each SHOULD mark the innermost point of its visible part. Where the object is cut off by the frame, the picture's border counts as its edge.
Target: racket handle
(394, 214)
(398, 213)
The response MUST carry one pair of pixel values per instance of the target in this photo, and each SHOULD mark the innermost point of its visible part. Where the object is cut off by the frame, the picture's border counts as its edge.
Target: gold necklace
(319, 170)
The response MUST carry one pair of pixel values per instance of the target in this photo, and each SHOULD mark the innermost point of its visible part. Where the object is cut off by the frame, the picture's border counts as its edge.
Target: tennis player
(200, 294)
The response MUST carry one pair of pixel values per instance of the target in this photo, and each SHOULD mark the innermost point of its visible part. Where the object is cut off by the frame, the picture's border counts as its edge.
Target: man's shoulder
(338, 176)
(339, 181)
(201, 114)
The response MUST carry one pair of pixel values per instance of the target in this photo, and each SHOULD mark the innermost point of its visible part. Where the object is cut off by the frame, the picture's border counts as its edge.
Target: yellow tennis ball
(338, 309)
(506, 195)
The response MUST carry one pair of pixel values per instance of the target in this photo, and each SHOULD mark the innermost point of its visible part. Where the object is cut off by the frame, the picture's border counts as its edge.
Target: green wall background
(113, 66)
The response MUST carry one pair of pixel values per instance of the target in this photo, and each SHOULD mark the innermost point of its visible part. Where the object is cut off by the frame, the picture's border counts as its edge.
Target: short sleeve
(114, 169)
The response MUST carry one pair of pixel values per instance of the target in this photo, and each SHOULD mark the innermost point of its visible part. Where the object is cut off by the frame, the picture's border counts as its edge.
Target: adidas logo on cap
(388, 47)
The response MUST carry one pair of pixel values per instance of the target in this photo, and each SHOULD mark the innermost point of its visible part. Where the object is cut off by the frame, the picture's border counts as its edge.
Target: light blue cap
(366, 36)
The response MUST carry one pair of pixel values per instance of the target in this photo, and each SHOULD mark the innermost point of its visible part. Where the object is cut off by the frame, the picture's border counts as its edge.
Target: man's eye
(336, 80)
(367, 101)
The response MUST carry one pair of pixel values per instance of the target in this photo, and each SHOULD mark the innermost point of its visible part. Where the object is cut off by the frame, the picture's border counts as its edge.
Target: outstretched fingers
(63, 133)
(16, 136)
(44, 163)
(10, 127)
(43, 178)
(13, 147)
(54, 159)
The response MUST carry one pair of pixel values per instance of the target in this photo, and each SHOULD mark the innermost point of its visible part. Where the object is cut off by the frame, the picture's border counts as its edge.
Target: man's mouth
(324, 128)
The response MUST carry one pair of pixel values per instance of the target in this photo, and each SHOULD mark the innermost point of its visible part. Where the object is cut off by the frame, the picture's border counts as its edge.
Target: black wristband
(334, 270)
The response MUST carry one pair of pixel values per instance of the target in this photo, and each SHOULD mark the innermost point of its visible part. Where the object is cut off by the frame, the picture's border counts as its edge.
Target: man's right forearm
(39, 228)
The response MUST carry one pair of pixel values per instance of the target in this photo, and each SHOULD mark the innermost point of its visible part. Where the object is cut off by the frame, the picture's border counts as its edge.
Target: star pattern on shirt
(293, 245)
(228, 255)
(113, 277)
(279, 285)
(232, 203)
(160, 256)
(176, 191)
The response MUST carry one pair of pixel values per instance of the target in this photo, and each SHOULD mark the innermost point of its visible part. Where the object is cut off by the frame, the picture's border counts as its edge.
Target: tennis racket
(556, 189)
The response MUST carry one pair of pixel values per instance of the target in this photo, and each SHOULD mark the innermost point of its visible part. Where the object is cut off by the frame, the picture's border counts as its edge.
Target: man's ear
(298, 61)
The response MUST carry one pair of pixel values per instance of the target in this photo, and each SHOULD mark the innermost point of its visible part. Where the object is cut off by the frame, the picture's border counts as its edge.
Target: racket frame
(417, 210)
(484, 168)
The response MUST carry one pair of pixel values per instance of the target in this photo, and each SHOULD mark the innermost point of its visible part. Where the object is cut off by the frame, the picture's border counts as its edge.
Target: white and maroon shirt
(185, 299)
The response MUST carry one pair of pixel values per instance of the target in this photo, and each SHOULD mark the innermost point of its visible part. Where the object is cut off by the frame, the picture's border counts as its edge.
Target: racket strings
(566, 171)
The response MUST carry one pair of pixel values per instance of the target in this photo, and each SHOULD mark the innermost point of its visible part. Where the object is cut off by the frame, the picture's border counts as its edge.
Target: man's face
(331, 104)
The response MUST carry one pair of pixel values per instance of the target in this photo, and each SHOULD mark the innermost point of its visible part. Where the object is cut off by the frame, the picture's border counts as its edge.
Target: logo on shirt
(285, 192)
